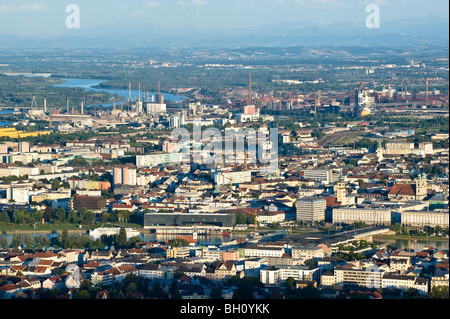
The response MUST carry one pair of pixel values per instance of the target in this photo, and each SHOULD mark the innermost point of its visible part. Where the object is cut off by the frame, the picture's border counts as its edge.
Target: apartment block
(258, 251)
(369, 277)
(275, 275)
(311, 209)
(371, 216)
(158, 159)
(307, 252)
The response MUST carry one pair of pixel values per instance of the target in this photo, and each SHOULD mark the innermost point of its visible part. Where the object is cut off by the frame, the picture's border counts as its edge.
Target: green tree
(29, 242)
(290, 281)
(56, 184)
(411, 293)
(216, 293)
(81, 294)
(122, 238)
(64, 239)
(157, 291)
(240, 219)
(439, 292)
(105, 217)
(4, 217)
(3, 242)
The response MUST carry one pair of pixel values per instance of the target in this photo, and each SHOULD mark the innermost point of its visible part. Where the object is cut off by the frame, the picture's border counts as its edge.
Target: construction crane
(291, 222)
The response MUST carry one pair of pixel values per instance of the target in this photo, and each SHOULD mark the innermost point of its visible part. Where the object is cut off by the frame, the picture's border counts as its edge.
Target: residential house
(225, 271)
(149, 271)
(192, 270)
(120, 272)
(54, 282)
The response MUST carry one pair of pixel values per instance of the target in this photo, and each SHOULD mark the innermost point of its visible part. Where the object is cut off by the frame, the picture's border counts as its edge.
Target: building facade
(370, 216)
(311, 209)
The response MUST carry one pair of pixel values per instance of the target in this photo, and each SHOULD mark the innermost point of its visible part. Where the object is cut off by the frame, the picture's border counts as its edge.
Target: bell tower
(340, 190)
(421, 187)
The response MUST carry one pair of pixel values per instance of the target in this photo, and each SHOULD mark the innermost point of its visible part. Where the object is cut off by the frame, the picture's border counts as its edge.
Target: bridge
(336, 239)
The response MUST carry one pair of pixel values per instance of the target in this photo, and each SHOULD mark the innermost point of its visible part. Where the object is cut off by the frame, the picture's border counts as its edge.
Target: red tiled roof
(47, 254)
(331, 201)
(40, 269)
(45, 262)
(8, 287)
(402, 189)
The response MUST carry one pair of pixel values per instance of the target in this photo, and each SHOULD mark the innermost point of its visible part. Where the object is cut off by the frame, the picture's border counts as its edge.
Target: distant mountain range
(427, 30)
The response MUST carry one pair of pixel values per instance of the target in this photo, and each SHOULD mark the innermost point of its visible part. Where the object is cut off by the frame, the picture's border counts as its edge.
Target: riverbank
(58, 228)
(413, 238)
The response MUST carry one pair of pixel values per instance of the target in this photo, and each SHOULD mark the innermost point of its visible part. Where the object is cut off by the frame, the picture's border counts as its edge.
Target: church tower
(340, 190)
(379, 152)
(421, 187)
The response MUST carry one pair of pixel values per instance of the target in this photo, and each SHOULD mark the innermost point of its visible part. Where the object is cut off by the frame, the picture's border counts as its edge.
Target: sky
(29, 17)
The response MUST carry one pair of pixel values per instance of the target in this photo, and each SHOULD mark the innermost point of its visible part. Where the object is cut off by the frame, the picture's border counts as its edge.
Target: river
(219, 239)
(148, 237)
(415, 245)
(90, 85)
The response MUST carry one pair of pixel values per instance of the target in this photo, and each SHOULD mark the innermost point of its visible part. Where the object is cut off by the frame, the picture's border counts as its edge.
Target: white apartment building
(399, 148)
(425, 218)
(370, 277)
(275, 275)
(271, 217)
(326, 176)
(371, 216)
(405, 282)
(257, 251)
(18, 195)
(9, 172)
(237, 177)
(157, 159)
(311, 209)
(307, 252)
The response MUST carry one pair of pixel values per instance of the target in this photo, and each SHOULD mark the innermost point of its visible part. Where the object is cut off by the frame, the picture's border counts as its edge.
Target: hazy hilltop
(427, 30)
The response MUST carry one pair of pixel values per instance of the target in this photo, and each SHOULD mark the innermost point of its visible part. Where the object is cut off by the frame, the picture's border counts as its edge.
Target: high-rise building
(326, 176)
(364, 102)
(235, 177)
(157, 159)
(311, 209)
(24, 147)
(20, 195)
(124, 176)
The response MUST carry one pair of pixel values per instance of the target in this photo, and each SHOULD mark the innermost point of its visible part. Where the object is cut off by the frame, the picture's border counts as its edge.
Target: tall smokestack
(129, 91)
(67, 106)
(426, 93)
(249, 89)
(82, 107)
(280, 107)
(45, 105)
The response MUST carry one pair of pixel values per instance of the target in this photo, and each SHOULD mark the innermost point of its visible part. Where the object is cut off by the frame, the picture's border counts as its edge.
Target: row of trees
(241, 218)
(64, 241)
(426, 231)
(57, 215)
